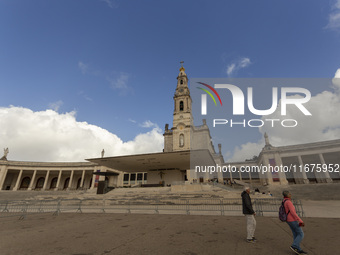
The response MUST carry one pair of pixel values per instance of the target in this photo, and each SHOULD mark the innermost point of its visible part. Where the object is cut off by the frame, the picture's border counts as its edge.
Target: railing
(263, 207)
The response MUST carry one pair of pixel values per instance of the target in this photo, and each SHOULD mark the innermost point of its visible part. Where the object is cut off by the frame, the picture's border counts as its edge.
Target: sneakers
(253, 240)
(294, 250)
(297, 251)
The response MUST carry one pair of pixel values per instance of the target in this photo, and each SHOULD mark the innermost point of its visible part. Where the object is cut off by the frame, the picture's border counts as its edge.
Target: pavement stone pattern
(100, 234)
(123, 234)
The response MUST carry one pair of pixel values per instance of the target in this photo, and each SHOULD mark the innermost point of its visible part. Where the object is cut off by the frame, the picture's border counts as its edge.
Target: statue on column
(103, 152)
(267, 144)
(6, 151)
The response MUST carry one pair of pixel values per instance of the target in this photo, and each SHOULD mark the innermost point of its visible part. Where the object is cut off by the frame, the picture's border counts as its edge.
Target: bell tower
(178, 138)
(182, 110)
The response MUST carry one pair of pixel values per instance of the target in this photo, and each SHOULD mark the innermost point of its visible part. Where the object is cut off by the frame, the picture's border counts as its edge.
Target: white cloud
(131, 120)
(245, 151)
(82, 93)
(230, 69)
(119, 82)
(148, 124)
(237, 65)
(83, 67)
(56, 105)
(50, 136)
(324, 124)
(115, 79)
(334, 16)
(336, 79)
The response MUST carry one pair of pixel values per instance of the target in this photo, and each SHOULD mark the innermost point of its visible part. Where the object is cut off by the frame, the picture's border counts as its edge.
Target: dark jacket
(246, 203)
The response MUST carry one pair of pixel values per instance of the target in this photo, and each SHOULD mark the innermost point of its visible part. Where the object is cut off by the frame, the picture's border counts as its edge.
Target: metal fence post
(57, 211)
(5, 209)
(222, 207)
(187, 207)
(24, 212)
(79, 206)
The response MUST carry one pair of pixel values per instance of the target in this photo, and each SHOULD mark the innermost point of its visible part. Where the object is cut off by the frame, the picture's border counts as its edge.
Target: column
(58, 182)
(268, 175)
(304, 175)
(46, 180)
(282, 174)
(93, 181)
(82, 180)
(18, 181)
(3, 174)
(239, 173)
(71, 180)
(32, 181)
(325, 175)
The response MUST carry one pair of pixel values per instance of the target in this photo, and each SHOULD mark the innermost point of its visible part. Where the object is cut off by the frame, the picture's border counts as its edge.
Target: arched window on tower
(181, 140)
(181, 105)
(181, 82)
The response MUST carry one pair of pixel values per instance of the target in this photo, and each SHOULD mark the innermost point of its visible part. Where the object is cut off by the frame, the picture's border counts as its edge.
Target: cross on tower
(182, 63)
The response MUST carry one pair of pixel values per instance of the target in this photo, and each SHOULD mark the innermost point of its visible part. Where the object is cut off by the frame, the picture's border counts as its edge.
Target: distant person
(294, 222)
(248, 211)
(269, 194)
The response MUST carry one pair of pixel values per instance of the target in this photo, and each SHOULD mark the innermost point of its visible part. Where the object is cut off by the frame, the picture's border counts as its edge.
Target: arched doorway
(54, 183)
(25, 183)
(67, 181)
(40, 183)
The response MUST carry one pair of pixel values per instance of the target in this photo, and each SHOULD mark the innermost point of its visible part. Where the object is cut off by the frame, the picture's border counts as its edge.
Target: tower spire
(182, 68)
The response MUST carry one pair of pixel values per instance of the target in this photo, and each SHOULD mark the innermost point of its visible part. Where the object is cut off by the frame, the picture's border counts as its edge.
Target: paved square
(99, 234)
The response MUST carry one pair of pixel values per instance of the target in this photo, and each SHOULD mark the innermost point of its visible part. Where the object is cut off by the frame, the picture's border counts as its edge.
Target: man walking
(250, 215)
(294, 222)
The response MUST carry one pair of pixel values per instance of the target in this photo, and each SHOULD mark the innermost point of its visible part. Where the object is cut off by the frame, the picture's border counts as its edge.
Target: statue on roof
(6, 151)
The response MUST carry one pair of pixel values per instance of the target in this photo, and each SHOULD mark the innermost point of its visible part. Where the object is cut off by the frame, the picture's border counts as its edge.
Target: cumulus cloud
(336, 80)
(237, 65)
(324, 124)
(50, 136)
(334, 17)
(245, 151)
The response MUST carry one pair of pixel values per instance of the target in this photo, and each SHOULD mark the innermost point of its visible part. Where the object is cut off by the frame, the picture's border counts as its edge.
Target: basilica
(187, 148)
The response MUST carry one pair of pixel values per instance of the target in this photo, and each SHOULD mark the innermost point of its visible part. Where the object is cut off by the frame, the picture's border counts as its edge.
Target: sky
(79, 76)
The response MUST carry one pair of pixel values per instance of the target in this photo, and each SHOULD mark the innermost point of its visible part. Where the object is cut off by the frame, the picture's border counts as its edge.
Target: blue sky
(113, 64)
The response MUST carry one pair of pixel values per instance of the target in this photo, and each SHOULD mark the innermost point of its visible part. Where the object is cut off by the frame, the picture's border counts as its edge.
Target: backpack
(282, 212)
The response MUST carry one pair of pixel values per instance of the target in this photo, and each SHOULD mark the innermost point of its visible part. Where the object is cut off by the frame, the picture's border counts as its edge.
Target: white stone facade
(18, 175)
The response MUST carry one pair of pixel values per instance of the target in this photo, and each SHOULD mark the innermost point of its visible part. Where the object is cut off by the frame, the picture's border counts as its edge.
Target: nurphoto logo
(238, 108)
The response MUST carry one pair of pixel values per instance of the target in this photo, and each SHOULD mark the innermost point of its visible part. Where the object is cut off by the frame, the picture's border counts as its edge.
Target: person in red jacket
(294, 222)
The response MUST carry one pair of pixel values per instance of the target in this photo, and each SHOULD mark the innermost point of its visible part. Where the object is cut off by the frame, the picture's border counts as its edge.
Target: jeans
(297, 233)
(251, 225)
